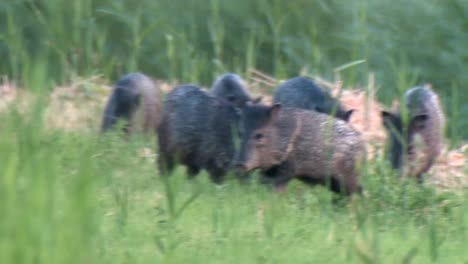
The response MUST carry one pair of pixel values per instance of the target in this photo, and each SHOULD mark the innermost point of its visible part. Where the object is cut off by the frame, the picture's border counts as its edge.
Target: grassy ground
(71, 197)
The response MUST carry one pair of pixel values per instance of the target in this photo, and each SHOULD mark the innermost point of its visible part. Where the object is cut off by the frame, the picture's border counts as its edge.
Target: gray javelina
(304, 93)
(133, 94)
(290, 142)
(232, 88)
(197, 130)
(415, 140)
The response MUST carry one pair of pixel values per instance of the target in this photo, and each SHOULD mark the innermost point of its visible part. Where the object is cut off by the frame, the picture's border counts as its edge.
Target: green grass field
(76, 198)
(70, 196)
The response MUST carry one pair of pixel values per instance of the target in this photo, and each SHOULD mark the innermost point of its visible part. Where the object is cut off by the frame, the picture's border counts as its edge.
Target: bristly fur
(304, 93)
(231, 88)
(414, 145)
(196, 130)
(289, 142)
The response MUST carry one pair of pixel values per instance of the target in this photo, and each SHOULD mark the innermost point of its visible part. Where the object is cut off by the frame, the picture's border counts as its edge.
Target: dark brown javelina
(415, 139)
(197, 131)
(289, 142)
(135, 99)
(304, 93)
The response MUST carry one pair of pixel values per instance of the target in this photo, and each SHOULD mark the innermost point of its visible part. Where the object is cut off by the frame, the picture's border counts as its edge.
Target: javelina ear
(418, 122)
(274, 112)
(347, 115)
(388, 119)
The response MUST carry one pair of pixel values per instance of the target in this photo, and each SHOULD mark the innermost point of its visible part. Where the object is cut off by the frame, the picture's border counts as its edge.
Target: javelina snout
(256, 147)
(415, 139)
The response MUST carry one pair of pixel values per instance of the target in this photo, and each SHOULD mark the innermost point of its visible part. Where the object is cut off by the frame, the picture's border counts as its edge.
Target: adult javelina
(196, 130)
(131, 93)
(232, 88)
(290, 142)
(302, 92)
(415, 144)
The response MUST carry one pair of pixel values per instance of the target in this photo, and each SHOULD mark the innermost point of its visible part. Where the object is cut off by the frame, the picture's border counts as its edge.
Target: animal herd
(303, 134)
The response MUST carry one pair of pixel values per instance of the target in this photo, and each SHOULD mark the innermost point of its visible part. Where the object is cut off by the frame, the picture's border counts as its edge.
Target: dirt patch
(77, 106)
(450, 170)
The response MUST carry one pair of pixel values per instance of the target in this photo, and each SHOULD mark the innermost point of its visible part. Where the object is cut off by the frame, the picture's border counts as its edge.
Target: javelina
(232, 88)
(290, 142)
(131, 93)
(304, 93)
(196, 130)
(415, 140)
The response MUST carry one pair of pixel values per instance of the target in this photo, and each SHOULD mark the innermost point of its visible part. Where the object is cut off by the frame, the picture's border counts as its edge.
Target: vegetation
(403, 42)
(76, 198)
(73, 197)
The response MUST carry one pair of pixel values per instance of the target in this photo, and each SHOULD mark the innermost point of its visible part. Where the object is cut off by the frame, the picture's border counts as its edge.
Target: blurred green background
(403, 42)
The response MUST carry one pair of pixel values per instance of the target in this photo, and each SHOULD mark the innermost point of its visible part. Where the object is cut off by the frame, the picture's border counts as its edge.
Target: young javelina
(196, 130)
(304, 93)
(414, 144)
(131, 93)
(289, 142)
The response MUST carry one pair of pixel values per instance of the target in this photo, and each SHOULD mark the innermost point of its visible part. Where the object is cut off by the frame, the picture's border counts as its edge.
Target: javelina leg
(267, 176)
(421, 176)
(346, 180)
(165, 164)
(165, 157)
(165, 160)
(192, 171)
(192, 167)
(346, 186)
(216, 174)
(335, 186)
(279, 176)
(281, 182)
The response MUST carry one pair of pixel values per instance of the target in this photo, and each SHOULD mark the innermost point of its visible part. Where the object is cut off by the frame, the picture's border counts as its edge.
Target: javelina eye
(258, 136)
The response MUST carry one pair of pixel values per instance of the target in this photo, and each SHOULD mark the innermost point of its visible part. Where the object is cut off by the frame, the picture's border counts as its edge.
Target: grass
(73, 197)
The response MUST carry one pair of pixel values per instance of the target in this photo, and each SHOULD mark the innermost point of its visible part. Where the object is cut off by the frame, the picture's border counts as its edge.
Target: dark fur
(231, 88)
(287, 143)
(196, 130)
(304, 93)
